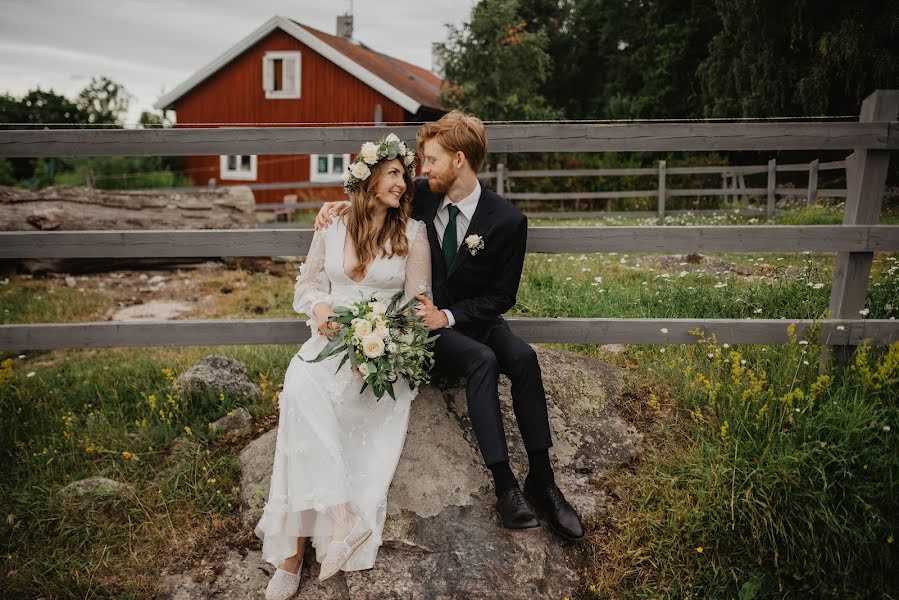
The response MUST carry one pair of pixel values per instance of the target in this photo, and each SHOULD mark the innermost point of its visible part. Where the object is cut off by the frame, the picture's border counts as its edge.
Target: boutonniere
(474, 243)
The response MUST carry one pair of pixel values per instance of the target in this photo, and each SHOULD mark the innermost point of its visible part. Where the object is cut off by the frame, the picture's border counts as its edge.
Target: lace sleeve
(418, 263)
(313, 285)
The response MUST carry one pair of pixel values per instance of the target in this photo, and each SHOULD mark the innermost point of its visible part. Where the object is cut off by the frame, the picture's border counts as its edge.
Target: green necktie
(449, 237)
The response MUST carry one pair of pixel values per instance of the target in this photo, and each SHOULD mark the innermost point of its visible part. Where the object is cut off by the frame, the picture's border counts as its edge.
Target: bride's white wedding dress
(337, 449)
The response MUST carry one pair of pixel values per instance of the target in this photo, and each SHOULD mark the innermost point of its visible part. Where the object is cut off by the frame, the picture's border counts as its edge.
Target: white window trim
(314, 175)
(227, 174)
(268, 75)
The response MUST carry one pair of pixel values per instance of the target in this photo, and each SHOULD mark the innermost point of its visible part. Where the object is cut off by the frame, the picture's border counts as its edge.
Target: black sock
(540, 471)
(503, 477)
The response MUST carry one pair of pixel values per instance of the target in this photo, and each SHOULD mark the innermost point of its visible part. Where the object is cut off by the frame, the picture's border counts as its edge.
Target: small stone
(95, 486)
(236, 420)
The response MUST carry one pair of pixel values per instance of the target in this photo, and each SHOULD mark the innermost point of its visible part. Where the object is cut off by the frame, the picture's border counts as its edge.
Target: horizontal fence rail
(650, 137)
(211, 332)
(295, 242)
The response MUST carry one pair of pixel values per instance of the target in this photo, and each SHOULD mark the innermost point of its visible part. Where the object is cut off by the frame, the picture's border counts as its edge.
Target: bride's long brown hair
(368, 242)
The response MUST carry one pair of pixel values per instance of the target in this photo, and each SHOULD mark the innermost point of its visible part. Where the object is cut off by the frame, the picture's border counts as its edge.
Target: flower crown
(371, 154)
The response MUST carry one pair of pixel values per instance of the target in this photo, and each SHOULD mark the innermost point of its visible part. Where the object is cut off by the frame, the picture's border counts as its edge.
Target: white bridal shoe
(340, 550)
(283, 584)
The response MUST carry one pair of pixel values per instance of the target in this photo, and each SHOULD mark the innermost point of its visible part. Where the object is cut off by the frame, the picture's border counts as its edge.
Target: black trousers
(480, 358)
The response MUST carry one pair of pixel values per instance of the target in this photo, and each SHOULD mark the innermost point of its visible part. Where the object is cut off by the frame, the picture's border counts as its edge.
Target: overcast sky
(150, 46)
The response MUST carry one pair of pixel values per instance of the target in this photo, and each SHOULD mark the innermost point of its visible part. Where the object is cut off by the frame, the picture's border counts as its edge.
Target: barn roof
(409, 86)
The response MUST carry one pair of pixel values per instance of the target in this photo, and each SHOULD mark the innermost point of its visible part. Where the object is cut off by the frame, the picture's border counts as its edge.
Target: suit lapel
(480, 220)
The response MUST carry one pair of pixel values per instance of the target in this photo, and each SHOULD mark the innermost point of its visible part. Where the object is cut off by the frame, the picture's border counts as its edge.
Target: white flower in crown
(392, 138)
(360, 170)
(474, 243)
(369, 152)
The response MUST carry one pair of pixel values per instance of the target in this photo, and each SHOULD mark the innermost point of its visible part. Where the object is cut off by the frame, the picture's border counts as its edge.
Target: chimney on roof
(345, 26)
(437, 49)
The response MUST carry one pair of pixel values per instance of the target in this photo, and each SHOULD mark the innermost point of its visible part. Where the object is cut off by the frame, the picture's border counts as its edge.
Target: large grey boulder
(442, 538)
(218, 374)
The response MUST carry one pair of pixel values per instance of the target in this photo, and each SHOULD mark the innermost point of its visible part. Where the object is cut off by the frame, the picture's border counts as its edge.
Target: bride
(337, 449)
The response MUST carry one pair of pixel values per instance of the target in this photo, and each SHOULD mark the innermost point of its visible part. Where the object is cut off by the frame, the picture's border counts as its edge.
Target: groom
(478, 242)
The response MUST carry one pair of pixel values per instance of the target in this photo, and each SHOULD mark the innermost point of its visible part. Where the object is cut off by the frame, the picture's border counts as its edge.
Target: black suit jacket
(477, 288)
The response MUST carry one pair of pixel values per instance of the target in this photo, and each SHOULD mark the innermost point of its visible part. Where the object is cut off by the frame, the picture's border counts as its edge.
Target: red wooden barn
(287, 72)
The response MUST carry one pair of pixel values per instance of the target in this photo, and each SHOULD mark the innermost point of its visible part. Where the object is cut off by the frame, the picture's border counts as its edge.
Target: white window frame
(268, 75)
(236, 175)
(314, 175)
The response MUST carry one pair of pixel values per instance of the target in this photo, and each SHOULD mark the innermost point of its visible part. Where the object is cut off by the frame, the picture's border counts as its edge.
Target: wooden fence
(733, 185)
(871, 139)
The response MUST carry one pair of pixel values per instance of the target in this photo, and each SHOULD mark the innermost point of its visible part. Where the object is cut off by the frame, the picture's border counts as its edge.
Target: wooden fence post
(662, 192)
(812, 182)
(772, 180)
(866, 172)
(744, 197)
(500, 179)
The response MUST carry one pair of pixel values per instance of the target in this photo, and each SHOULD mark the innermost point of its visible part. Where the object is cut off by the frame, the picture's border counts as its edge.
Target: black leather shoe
(515, 511)
(558, 512)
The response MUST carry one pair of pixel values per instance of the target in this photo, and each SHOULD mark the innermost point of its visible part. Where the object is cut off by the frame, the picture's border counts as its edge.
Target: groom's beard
(441, 183)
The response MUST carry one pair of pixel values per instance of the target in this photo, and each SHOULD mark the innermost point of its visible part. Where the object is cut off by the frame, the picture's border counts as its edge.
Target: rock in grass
(442, 537)
(235, 421)
(219, 374)
(94, 486)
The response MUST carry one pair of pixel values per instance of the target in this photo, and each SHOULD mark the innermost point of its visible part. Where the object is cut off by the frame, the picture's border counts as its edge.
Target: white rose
(369, 152)
(392, 138)
(472, 240)
(381, 330)
(360, 170)
(361, 328)
(372, 346)
(408, 158)
(366, 369)
(378, 308)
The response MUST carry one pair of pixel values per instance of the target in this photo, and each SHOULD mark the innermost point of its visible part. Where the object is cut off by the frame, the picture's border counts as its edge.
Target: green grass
(795, 504)
(762, 479)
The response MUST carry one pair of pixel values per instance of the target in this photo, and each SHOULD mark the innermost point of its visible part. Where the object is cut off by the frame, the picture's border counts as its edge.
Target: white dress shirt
(466, 206)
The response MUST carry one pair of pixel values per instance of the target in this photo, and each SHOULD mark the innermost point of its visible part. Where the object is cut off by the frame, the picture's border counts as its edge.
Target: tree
(495, 66)
(104, 101)
(798, 58)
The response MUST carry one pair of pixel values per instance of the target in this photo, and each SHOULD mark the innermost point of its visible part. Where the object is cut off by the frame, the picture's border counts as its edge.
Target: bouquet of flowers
(383, 342)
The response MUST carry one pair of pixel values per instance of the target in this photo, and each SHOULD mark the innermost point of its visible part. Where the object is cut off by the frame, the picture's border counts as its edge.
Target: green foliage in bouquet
(382, 342)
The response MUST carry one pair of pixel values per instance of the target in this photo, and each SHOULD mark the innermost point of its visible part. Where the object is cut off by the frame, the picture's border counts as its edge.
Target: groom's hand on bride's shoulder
(433, 317)
(328, 211)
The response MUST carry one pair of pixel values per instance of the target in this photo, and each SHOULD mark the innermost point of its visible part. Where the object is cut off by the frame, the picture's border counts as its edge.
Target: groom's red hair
(457, 131)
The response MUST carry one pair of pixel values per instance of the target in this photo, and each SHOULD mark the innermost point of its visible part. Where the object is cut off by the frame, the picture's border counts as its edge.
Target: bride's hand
(327, 328)
(328, 211)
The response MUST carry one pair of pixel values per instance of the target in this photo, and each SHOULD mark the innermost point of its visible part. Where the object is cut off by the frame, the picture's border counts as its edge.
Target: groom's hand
(434, 318)
(328, 211)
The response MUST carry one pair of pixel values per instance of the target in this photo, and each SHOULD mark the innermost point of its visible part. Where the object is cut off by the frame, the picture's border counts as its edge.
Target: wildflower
(661, 349)
(31, 374)
(187, 430)
(886, 428)
(129, 455)
(864, 312)
(699, 549)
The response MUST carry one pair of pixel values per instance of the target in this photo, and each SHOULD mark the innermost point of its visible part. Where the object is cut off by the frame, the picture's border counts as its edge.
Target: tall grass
(764, 478)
